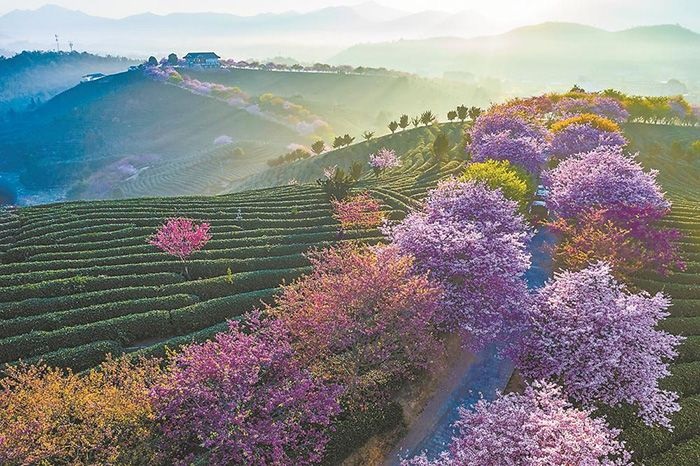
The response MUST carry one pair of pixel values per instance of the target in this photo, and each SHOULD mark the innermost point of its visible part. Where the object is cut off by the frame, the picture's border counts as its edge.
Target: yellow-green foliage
(596, 121)
(513, 181)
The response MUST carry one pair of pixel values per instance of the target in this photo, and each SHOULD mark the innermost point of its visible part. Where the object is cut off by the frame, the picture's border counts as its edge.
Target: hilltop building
(202, 60)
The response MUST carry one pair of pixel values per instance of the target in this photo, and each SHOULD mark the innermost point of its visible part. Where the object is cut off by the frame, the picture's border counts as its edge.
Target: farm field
(679, 177)
(79, 280)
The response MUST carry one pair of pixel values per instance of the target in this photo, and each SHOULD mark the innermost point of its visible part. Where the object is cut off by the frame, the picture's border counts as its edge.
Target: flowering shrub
(503, 136)
(472, 239)
(595, 121)
(600, 341)
(384, 159)
(361, 211)
(602, 178)
(242, 398)
(537, 427)
(52, 416)
(362, 319)
(513, 182)
(626, 237)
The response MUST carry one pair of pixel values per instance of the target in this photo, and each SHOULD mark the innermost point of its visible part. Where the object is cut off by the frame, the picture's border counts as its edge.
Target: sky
(603, 13)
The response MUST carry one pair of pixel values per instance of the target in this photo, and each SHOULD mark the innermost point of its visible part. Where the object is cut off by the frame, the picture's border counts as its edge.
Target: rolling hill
(129, 136)
(30, 78)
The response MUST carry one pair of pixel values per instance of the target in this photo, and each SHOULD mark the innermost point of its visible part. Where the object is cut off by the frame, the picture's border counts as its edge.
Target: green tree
(152, 61)
(441, 146)
(451, 115)
(415, 121)
(347, 140)
(338, 142)
(427, 117)
(172, 59)
(393, 126)
(474, 113)
(318, 147)
(367, 135)
(403, 122)
(462, 113)
(513, 181)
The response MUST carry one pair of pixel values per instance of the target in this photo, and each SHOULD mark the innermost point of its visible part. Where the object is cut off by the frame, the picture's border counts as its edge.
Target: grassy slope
(81, 132)
(79, 280)
(680, 177)
(354, 103)
(308, 170)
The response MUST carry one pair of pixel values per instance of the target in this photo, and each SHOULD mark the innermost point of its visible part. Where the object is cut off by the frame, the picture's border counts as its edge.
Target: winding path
(473, 375)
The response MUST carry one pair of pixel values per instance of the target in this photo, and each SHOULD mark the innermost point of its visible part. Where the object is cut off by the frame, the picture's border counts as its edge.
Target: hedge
(647, 441)
(57, 320)
(686, 326)
(684, 379)
(683, 454)
(81, 284)
(689, 350)
(78, 358)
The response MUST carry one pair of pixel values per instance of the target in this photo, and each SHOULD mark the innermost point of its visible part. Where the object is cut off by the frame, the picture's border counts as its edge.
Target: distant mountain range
(315, 35)
(550, 54)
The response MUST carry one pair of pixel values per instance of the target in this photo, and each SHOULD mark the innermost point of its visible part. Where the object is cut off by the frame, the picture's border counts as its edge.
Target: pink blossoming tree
(473, 241)
(536, 428)
(181, 237)
(383, 160)
(600, 342)
(242, 398)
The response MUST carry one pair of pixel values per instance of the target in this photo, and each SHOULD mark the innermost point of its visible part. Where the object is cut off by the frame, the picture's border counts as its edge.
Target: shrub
(514, 182)
(361, 211)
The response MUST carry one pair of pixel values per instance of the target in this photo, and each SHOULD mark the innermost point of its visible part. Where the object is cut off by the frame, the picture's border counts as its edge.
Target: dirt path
(472, 377)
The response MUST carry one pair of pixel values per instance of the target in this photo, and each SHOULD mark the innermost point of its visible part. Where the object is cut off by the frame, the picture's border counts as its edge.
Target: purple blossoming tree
(536, 428)
(602, 178)
(589, 333)
(500, 135)
(241, 398)
(472, 239)
(580, 138)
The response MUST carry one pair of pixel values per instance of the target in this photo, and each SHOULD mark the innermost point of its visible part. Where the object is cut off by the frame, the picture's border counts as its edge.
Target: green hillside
(411, 141)
(679, 174)
(79, 280)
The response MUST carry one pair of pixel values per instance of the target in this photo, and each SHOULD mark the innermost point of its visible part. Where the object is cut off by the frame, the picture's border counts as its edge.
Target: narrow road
(474, 375)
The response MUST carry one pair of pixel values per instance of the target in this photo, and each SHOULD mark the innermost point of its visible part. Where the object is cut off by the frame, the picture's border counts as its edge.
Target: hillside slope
(79, 280)
(35, 77)
(679, 175)
(101, 133)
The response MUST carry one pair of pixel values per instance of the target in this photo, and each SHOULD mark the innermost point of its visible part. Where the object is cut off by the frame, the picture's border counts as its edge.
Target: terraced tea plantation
(78, 280)
(681, 447)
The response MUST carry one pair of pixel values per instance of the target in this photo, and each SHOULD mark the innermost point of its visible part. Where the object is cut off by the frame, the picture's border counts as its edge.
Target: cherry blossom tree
(473, 241)
(362, 318)
(600, 342)
(629, 238)
(602, 178)
(504, 135)
(579, 138)
(607, 107)
(383, 159)
(361, 211)
(242, 398)
(537, 427)
(181, 237)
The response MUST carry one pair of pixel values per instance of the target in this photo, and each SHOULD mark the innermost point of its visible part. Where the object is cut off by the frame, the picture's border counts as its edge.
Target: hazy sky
(610, 13)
